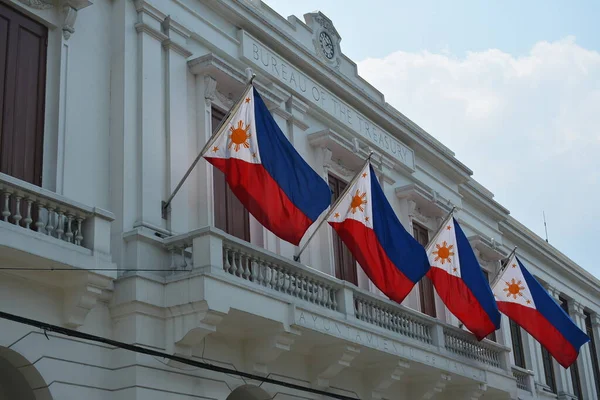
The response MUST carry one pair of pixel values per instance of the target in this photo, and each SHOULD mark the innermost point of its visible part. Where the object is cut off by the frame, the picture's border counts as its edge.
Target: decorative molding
(69, 22)
(329, 362)
(81, 295)
(433, 387)
(577, 308)
(169, 44)
(488, 248)
(596, 320)
(414, 212)
(189, 324)
(38, 4)
(429, 202)
(319, 24)
(476, 392)
(146, 8)
(141, 27)
(260, 353)
(380, 377)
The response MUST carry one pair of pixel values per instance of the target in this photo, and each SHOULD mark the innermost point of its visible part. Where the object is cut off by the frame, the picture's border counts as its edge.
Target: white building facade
(106, 103)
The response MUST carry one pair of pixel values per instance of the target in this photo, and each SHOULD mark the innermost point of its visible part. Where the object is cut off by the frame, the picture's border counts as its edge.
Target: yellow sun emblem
(358, 201)
(514, 289)
(443, 252)
(239, 136)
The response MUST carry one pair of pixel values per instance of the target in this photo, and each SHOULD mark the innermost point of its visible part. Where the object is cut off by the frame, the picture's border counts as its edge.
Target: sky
(512, 87)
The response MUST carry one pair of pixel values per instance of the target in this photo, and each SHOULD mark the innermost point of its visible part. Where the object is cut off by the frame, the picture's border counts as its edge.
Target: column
(151, 157)
(564, 385)
(178, 160)
(584, 361)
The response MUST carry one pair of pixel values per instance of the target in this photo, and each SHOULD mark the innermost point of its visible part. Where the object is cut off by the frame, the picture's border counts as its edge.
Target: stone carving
(326, 38)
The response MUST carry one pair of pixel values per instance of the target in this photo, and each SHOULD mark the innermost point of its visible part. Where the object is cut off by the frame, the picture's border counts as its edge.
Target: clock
(326, 45)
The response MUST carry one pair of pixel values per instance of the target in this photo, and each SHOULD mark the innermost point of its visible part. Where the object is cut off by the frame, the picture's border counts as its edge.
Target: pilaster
(176, 122)
(151, 180)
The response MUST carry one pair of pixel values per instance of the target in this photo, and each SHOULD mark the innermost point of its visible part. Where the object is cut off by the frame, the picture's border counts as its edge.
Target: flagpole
(333, 206)
(211, 140)
(499, 274)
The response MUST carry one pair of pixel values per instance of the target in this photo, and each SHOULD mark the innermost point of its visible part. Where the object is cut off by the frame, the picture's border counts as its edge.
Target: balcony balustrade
(290, 281)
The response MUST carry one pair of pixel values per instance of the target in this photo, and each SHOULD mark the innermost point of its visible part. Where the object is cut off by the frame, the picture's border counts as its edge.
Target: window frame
(426, 289)
(343, 261)
(229, 214)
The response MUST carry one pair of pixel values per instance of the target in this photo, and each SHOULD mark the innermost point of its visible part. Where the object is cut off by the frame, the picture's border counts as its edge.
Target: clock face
(326, 45)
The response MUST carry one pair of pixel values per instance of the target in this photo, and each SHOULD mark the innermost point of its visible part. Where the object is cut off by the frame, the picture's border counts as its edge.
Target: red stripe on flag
(542, 330)
(263, 198)
(459, 299)
(367, 250)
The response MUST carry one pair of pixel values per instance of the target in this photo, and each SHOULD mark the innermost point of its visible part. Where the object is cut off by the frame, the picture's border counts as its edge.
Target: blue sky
(456, 26)
(512, 87)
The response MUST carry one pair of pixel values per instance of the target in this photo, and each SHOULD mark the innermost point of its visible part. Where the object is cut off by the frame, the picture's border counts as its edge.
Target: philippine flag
(265, 172)
(367, 224)
(521, 298)
(460, 282)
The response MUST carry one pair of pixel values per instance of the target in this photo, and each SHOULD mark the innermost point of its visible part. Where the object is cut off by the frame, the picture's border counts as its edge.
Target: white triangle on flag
(237, 138)
(512, 287)
(357, 203)
(443, 250)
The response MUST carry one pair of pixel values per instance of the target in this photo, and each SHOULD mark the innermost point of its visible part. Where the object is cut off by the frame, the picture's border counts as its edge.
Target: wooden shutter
(573, 368)
(22, 93)
(426, 291)
(517, 344)
(230, 215)
(345, 264)
(590, 332)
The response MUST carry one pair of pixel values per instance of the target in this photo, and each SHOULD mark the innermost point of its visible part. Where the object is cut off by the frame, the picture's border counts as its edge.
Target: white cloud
(529, 128)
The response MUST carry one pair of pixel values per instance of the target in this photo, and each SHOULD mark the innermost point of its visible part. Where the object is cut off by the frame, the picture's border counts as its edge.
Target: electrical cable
(93, 269)
(142, 350)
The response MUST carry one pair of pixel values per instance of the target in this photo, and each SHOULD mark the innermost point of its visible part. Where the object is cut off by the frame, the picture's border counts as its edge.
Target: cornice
(141, 27)
(487, 247)
(521, 234)
(169, 44)
(348, 89)
(482, 198)
(211, 63)
(429, 201)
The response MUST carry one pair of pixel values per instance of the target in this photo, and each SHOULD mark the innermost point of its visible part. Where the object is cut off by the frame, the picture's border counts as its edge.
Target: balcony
(44, 235)
(229, 285)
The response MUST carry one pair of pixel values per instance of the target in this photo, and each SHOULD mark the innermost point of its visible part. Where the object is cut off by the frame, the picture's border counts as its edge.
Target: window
(22, 90)
(230, 215)
(517, 344)
(345, 264)
(548, 369)
(421, 234)
(590, 332)
(573, 368)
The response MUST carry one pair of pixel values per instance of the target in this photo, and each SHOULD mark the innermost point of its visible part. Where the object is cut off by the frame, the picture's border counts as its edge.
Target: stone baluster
(49, 226)
(28, 218)
(79, 232)
(69, 232)
(6, 208)
(60, 224)
(17, 216)
(40, 225)
(226, 264)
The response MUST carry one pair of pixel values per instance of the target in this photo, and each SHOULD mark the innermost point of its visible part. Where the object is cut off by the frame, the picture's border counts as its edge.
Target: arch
(19, 379)
(249, 392)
